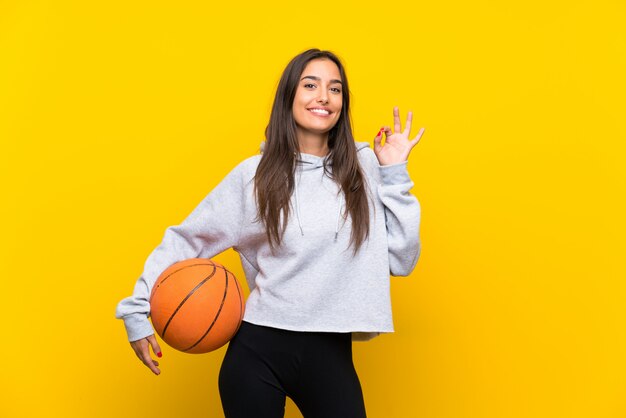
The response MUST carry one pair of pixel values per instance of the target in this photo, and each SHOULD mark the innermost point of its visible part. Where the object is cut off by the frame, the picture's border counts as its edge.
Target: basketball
(196, 305)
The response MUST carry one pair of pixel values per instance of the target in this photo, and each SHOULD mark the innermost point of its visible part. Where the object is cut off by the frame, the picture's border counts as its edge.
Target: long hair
(274, 179)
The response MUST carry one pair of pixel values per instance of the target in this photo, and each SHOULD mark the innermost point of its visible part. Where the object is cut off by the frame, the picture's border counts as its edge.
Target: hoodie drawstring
(298, 208)
(338, 215)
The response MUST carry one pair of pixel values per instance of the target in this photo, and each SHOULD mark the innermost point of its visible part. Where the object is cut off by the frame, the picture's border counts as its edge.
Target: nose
(323, 97)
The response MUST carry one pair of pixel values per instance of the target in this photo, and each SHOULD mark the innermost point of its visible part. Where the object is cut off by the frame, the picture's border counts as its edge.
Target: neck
(315, 144)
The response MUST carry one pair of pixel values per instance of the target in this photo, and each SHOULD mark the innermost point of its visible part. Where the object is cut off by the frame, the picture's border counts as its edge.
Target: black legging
(263, 365)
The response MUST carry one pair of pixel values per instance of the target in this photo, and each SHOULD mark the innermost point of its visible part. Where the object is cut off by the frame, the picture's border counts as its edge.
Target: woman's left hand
(397, 145)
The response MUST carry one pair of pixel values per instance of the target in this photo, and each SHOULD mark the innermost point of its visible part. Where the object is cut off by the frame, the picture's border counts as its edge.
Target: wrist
(392, 163)
(394, 173)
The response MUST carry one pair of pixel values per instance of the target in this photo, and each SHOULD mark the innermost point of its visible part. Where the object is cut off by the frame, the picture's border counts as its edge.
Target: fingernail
(159, 354)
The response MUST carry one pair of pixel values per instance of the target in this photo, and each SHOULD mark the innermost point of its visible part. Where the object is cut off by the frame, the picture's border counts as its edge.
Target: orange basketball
(196, 305)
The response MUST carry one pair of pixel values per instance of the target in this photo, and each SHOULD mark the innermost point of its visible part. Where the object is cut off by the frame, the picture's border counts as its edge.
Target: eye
(337, 89)
(309, 84)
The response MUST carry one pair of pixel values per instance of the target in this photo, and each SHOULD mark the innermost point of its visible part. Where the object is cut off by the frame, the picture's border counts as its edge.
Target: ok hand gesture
(397, 145)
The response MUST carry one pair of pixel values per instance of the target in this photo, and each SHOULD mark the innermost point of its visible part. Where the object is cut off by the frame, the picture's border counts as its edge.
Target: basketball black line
(240, 308)
(217, 315)
(210, 263)
(239, 294)
(207, 263)
(206, 279)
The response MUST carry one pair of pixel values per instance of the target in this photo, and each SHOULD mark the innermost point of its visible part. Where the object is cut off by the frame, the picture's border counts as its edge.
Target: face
(318, 101)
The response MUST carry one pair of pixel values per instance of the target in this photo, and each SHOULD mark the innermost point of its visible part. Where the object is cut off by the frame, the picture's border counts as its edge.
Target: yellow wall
(117, 118)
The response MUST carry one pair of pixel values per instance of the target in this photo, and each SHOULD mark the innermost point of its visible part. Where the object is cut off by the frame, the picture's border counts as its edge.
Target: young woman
(320, 223)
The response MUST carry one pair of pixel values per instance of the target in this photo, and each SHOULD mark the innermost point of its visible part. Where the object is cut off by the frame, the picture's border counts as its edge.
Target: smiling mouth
(320, 112)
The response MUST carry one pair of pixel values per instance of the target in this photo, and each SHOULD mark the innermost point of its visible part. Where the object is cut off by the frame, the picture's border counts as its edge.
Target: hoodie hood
(310, 162)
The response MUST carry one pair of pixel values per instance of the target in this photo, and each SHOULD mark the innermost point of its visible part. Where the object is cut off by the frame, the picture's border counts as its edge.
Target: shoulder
(250, 164)
(245, 170)
(366, 156)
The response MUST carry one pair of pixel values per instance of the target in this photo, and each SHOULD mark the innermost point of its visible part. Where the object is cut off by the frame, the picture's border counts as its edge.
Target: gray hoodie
(312, 283)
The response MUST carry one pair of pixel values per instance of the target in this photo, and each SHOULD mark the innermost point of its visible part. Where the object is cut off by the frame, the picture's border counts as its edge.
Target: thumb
(155, 345)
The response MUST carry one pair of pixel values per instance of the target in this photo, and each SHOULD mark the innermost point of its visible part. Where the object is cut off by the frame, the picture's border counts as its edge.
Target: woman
(309, 296)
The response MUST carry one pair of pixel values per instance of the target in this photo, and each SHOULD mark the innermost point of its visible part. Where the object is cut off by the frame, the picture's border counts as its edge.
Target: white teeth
(320, 111)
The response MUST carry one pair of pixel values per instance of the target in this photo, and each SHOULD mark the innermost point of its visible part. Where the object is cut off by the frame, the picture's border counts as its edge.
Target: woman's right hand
(143, 352)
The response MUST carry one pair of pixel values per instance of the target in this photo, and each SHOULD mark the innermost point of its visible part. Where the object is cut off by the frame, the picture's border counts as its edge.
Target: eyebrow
(312, 77)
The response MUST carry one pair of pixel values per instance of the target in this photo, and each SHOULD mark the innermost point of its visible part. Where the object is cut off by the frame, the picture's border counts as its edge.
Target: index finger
(147, 360)
(156, 349)
(141, 348)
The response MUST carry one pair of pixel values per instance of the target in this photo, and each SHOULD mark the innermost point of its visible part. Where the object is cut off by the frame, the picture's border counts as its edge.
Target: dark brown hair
(274, 180)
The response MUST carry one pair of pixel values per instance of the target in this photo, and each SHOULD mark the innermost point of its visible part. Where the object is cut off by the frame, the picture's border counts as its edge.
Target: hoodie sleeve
(402, 217)
(212, 227)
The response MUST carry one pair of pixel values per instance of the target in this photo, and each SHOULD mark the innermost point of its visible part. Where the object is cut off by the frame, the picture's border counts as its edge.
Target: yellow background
(117, 118)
